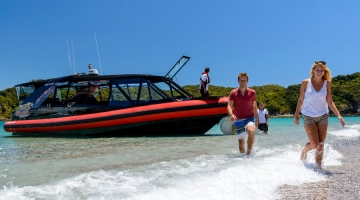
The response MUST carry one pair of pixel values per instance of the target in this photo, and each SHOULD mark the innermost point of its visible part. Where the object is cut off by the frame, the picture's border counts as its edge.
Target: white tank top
(315, 104)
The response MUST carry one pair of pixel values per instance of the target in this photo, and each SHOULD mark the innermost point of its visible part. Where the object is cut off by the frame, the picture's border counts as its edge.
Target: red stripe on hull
(123, 121)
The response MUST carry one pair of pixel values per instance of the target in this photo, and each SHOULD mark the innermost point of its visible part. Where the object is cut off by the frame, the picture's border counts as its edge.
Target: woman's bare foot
(303, 155)
(318, 166)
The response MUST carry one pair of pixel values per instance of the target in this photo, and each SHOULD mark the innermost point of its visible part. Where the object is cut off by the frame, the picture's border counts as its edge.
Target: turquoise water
(201, 167)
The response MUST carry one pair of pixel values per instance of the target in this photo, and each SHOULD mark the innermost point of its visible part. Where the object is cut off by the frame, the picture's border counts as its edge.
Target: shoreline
(270, 116)
(291, 116)
(342, 181)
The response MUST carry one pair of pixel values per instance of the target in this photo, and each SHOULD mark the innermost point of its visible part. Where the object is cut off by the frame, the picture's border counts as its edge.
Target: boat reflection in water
(113, 105)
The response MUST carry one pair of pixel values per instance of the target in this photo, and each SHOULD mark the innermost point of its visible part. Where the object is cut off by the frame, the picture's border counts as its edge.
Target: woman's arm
(300, 100)
(332, 105)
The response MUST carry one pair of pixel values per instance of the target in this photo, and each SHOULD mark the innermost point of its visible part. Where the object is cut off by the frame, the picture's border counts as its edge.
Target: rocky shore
(343, 182)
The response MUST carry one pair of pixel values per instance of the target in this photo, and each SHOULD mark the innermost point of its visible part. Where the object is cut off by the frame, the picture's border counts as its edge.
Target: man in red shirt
(242, 109)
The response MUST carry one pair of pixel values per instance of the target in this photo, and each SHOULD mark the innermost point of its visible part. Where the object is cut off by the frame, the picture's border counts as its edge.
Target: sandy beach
(343, 181)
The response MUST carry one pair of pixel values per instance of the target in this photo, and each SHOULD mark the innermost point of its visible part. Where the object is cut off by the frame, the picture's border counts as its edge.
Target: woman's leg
(313, 136)
(303, 155)
(322, 130)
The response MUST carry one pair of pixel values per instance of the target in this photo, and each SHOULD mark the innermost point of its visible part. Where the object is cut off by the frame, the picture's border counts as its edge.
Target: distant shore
(281, 116)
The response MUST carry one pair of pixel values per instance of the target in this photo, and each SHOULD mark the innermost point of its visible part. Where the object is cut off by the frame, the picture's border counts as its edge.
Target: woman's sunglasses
(320, 61)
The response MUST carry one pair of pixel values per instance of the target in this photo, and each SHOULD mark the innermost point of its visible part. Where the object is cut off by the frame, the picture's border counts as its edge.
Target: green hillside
(279, 100)
(8, 102)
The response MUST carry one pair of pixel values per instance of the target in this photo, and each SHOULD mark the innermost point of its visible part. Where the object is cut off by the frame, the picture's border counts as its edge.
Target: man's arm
(255, 108)
(267, 116)
(203, 83)
(230, 110)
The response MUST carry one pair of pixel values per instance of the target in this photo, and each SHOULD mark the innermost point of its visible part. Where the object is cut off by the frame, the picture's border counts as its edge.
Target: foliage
(281, 100)
(8, 102)
(277, 99)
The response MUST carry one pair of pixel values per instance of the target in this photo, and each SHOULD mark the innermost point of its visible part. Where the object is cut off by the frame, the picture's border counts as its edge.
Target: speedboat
(113, 105)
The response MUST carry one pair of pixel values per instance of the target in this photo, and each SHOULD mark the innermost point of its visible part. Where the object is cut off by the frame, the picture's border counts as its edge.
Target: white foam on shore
(349, 131)
(331, 156)
(203, 177)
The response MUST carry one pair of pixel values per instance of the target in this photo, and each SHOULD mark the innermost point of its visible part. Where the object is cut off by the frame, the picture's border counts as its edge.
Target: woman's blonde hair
(327, 74)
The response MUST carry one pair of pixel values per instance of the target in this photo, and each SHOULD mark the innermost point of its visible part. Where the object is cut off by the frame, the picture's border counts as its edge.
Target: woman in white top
(314, 101)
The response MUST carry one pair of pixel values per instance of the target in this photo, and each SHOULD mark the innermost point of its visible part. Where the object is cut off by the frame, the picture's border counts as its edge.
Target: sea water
(194, 167)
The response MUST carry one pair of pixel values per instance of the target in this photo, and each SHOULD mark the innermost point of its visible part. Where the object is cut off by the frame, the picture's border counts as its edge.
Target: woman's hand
(342, 121)
(296, 119)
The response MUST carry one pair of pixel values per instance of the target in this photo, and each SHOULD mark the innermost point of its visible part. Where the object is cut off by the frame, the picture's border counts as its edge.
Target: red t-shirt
(243, 105)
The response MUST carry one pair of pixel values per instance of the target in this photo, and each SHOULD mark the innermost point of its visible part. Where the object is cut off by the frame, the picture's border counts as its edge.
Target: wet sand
(343, 182)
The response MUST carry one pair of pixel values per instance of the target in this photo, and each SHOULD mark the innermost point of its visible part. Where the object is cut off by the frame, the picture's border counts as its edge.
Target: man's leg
(260, 127)
(251, 137)
(266, 128)
(207, 94)
(202, 92)
(242, 145)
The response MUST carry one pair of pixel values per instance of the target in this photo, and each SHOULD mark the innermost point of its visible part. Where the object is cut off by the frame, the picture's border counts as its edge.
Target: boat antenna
(67, 44)
(72, 46)
(97, 48)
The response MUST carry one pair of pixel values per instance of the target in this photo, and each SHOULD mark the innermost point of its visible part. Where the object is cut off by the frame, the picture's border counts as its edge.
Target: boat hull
(175, 118)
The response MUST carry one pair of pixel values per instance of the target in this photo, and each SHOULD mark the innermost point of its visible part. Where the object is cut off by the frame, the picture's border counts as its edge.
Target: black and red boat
(113, 105)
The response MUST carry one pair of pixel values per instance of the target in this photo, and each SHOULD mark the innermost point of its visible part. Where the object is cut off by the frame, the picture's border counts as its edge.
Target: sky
(274, 41)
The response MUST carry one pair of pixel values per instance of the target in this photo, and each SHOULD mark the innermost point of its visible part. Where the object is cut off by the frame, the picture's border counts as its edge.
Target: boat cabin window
(134, 91)
(24, 91)
(39, 95)
(68, 94)
(90, 93)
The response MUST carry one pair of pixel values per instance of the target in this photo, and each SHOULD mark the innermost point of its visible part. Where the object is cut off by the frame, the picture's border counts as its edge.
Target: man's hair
(207, 69)
(243, 74)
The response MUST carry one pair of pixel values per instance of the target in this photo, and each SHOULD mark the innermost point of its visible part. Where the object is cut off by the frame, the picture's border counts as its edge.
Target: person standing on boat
(263, 118)
(314, 101)
(204, 83)
(242, 108)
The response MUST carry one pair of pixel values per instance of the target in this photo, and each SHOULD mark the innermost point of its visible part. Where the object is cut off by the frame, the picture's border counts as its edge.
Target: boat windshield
(170, 90)
(177, 67)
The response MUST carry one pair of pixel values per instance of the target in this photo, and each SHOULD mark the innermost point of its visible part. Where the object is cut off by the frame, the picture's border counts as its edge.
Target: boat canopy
(104, 90)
